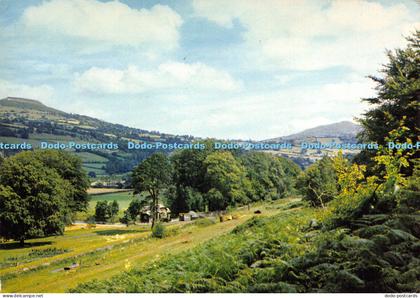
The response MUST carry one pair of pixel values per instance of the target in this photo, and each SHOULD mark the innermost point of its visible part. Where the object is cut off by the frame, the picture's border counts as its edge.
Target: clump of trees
(106, 211)
(39, 192)
(318, 183)
(209, 180)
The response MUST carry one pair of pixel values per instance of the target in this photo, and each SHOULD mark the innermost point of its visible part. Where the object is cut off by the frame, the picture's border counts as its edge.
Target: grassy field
(104, 251)
(123, 199)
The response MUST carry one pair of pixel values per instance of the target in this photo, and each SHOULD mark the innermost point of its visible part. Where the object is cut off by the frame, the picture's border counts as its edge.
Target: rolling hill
(28, 120)
(343, 129)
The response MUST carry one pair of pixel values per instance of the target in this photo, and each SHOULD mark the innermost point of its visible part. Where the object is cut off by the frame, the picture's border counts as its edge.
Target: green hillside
(26, 120)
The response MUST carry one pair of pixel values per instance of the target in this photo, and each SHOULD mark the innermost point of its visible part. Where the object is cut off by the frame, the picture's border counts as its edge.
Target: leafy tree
(291, 171)
(185, 198)
(266, 174)
(189, 179)
(92, 174)
(134, 208)
(33, 198)
(153, 175)
(398, 94)
(102, 211)
(318, 182)
(189, 169)
(69, 168)
(226, 176)
(127, 219)
(114, 208)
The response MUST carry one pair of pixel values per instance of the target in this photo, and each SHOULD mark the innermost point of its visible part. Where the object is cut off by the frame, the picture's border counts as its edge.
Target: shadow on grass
(118, 232)
(16, 245)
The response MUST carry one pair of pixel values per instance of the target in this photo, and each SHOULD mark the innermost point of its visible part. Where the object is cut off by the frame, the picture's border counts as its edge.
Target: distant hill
(28, 120)
(343, 129)
(27, 104)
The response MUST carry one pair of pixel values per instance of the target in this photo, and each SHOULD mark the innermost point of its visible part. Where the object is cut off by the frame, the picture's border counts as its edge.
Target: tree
(102, 211)
(227, 179)
(397, 101)
(33, 199)
(127, 219)
(69, 168)
(135, 207)
(291, 171)
(114, 208)
(267, 175)
(153, 175)
(92, 174)
(318, 183)
(189, 178)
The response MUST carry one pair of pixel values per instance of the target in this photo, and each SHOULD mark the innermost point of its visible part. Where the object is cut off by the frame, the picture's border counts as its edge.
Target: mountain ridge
(340, 129)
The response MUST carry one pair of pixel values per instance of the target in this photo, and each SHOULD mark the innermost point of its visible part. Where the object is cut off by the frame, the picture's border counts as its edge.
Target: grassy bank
(103, 252)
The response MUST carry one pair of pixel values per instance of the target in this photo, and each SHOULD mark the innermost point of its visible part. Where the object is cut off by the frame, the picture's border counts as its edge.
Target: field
(123, 198)
(104, 251)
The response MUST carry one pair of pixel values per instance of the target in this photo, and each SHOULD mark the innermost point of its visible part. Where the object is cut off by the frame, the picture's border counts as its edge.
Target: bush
(159, 231)
(204, 222)
(318, 184)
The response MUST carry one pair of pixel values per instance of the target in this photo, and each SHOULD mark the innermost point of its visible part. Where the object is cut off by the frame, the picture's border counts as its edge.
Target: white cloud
(175, 75)
(313, 35)
(270, 114)
(112, 22)
(41, 92)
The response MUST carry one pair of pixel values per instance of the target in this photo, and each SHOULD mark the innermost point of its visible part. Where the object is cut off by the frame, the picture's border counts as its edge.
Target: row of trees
(210, 180)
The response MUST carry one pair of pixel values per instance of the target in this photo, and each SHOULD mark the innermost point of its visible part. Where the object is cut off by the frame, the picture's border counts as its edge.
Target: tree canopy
(32, 199)
(153, 175)
(397, 102)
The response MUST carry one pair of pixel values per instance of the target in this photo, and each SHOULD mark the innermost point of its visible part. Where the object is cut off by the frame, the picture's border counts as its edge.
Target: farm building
(164, 213)
(188, 216)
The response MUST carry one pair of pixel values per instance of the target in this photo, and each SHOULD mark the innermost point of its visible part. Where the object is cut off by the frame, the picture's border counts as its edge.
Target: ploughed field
(85, 252)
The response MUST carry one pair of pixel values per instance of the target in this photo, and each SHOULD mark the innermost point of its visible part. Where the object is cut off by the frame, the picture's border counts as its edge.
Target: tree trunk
(22, 242)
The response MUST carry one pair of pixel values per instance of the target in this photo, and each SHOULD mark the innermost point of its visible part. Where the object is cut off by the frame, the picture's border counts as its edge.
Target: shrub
(204, 222)
(318, 184)
(159, 231)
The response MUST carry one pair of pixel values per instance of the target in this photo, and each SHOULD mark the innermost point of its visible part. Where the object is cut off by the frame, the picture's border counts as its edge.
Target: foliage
(101, 211)
(114, 208)
(215, 179)
(105, 212)
(152, 175)
(220, 265)
(159, 231)
(266, 174)
(69, 167)
(182, 199)
(33, 198)
(397, 99)
(318, 183)
(204, 222)
(227, 181)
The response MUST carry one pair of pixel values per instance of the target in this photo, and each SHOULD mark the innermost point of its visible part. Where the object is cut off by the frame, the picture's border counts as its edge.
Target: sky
(228, 69)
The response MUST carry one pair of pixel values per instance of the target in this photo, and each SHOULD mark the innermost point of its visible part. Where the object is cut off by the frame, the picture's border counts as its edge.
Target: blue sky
(211, 68)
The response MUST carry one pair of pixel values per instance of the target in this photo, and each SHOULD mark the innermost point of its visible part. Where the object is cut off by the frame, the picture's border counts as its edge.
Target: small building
(188, 216)
(163, 214)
